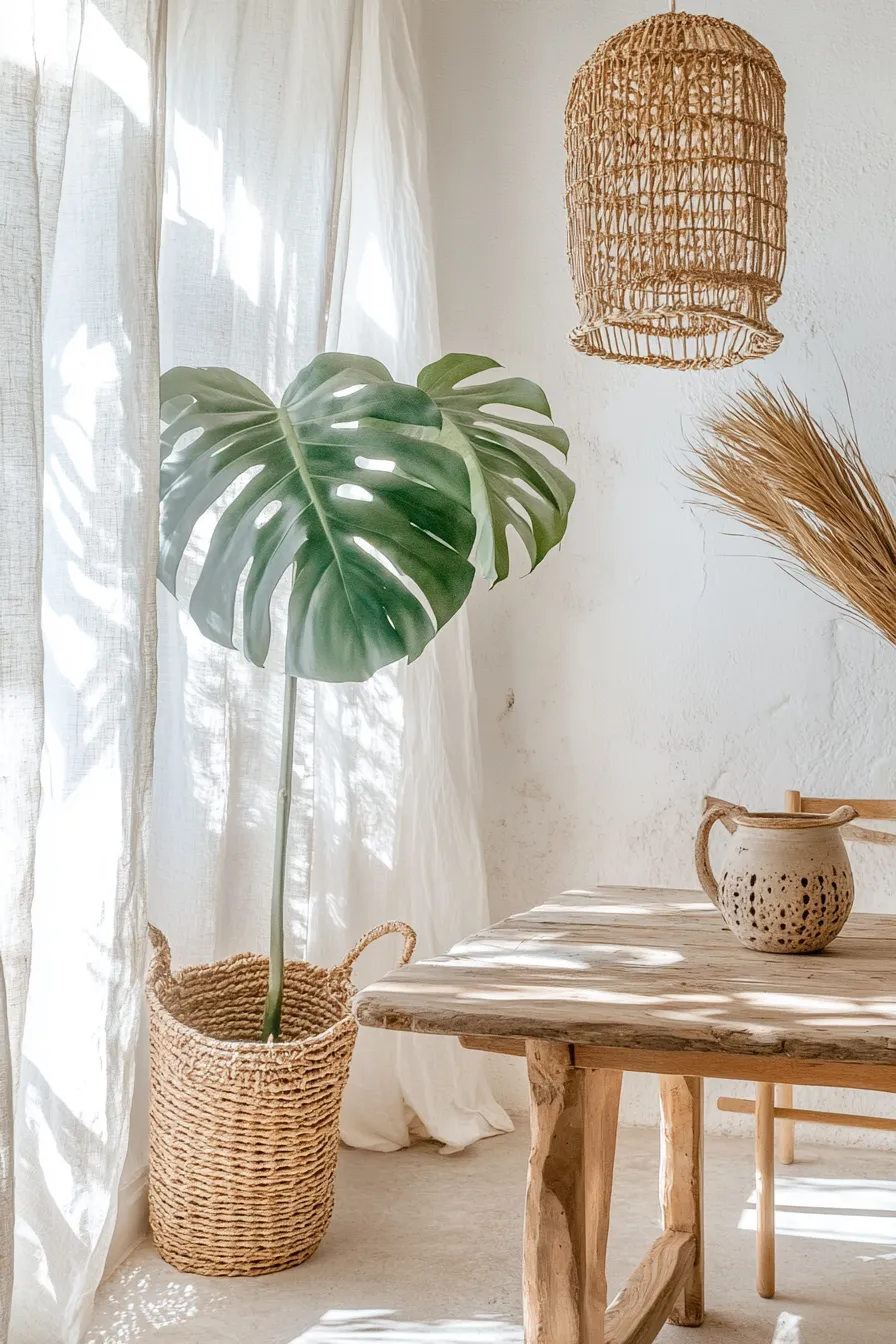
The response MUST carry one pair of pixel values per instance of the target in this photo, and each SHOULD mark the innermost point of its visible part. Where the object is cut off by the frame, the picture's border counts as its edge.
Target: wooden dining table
(592, 984)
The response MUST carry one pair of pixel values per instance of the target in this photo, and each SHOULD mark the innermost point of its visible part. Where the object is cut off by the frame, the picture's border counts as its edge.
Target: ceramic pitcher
(786, 885)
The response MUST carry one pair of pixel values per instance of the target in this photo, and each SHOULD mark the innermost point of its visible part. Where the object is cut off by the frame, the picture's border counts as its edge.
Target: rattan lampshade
(676, 194)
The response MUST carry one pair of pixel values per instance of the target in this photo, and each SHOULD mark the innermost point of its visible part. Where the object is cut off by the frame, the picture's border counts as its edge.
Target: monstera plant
(374, 503)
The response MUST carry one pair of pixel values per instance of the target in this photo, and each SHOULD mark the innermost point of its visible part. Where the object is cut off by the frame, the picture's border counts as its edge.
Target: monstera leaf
(374, 520)
(512, 483)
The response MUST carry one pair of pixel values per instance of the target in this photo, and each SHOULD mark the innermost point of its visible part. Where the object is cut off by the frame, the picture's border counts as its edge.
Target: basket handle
(160, 967)
(394, 926)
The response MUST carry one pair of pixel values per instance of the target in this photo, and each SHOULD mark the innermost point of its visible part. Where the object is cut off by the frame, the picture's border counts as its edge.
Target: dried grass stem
(764, 459)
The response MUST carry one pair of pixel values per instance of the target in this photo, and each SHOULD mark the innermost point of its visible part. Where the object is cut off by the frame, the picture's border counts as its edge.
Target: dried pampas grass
(764, 459)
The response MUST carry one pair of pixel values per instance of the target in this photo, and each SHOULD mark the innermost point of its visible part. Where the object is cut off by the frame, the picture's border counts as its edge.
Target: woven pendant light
(676, 194)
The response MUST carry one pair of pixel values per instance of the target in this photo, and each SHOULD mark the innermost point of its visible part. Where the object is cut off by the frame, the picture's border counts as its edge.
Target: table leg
(601, 1093)
(765, 1189)
(573, 1117)
(786, 1128)
(681, 1181)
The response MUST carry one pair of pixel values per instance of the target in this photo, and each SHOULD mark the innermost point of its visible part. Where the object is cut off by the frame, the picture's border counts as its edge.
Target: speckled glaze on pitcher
(786, 885)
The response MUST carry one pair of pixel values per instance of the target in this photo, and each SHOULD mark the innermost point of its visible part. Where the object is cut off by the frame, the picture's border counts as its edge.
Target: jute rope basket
(676, 194)
(244, 1135)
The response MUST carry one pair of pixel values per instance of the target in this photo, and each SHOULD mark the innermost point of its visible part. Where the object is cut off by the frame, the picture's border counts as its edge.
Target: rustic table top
(651, 969)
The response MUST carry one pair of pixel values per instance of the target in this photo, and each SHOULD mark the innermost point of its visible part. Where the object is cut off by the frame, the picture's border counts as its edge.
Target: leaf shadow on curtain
(246, 269)
(296, 219)
(349, 738)
(249, 176)
(288, 176)
(227, 728)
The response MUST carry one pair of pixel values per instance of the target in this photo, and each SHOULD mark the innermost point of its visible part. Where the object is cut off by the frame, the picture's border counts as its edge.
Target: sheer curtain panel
(81, 140)
(296, 219)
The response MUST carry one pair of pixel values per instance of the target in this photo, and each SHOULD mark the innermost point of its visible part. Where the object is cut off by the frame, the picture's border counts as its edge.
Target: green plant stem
(273, 1006)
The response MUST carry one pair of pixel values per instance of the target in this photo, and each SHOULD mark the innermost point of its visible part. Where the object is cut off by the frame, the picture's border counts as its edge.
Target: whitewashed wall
(657, 656)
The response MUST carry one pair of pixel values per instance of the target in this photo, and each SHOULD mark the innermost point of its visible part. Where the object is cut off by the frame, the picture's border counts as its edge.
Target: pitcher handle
(701, 847)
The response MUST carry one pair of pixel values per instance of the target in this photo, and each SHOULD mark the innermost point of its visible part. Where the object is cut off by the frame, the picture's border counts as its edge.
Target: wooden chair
(769, 1108)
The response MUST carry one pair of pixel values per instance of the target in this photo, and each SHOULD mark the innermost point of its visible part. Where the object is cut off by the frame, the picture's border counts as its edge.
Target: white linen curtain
(294, 216)
(81, 144)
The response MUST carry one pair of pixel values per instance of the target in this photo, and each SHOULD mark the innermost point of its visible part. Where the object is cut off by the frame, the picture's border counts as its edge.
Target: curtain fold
(394, 822)
(82, 114)
(21, 455)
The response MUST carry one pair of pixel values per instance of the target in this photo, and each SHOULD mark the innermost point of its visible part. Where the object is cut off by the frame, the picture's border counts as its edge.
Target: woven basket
(243, 1135)
(676, 194)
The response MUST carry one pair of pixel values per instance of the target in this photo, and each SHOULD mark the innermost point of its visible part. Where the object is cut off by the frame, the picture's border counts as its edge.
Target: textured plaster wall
(658, 656)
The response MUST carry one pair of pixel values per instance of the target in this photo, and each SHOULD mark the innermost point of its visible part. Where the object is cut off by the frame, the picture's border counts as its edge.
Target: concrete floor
(425, 1249)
